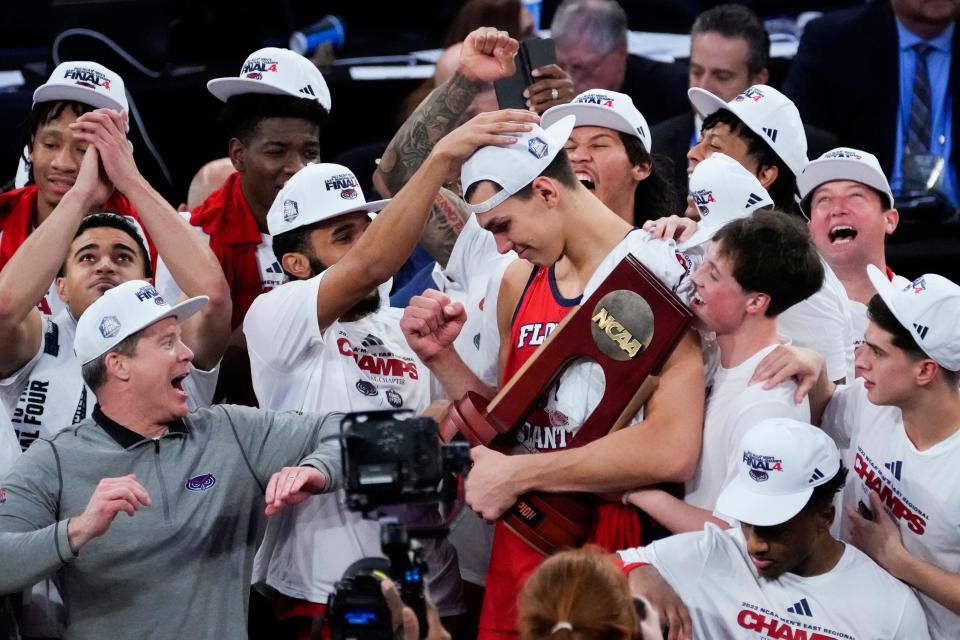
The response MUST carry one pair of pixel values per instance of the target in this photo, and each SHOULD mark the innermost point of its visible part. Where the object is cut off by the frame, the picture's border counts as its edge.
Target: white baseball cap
(723, 191)
(514, 167)
(317, 192)
(275, 71)
(121, 312)
(84, 81)
(769, 114)
(929, 308)
(844, 163)
(602, 108)
(780, 462)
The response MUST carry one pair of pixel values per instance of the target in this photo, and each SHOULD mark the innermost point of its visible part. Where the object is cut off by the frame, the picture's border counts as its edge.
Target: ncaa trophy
(628, 326)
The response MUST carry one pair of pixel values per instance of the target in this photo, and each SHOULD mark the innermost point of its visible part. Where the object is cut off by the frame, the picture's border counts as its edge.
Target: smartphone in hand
(534, 53)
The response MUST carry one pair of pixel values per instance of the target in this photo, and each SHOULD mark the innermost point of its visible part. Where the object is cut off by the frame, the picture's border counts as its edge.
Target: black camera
(392, 459)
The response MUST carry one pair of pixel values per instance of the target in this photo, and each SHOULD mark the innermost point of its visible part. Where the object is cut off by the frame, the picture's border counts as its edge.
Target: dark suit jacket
(658, 89)
(846, 79)
(672, 139)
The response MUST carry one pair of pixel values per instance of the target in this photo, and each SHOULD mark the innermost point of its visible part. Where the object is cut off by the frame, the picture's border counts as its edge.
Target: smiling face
(277, 149)
(719, 302)
(99, 259)
(601, 164)
(721, 138)
(156, 371)
(848, 224)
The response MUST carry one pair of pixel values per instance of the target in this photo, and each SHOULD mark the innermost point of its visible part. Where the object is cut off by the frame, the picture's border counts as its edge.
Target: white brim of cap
(180, 311)
(739, 500)
(224, 88)
(888, 292)
(701, 235)
(705, 102)
(370, 207)
(52, 92)
(819, 172)
(558, 133)
(591, 115)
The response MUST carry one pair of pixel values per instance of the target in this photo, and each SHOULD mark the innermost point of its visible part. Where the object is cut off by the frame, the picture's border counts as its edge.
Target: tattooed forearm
(434, 118)
(443, 226)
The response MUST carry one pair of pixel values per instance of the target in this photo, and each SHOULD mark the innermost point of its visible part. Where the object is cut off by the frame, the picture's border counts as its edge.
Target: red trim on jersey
(19, 207)
(226, 217)
(540, 309)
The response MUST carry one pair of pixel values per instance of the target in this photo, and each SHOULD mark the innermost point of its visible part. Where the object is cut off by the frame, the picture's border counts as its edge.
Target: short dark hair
(822, 496)
(737, 21)
(880, 314)
(772, 253)
(243, 113)
(656, 196)
(784, 187)
(114, 221)
(44, 113)
(298, 241)
(94, 373)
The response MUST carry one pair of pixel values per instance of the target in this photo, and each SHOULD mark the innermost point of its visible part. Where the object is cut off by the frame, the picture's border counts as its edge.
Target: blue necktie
(918, 132)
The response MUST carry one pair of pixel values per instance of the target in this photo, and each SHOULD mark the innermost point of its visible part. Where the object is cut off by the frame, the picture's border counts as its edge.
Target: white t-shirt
(822, 322)
(472, 277)
(48, 394)
(917, 487)
(271, 273)
(9, 445)
(351, 366)
(732, 408)
(712, 573)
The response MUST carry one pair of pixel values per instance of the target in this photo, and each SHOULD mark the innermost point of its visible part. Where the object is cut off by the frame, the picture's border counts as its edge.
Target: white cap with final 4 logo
(723, 191)
(275, 71)
(86, 82)
(121, 312)
(779, 464)
(315, 193)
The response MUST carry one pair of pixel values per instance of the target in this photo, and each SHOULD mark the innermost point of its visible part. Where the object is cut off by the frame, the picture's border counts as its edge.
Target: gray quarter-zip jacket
(181, 567)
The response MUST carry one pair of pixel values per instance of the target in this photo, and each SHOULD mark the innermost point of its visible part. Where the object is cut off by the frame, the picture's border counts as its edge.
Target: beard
(366, 306)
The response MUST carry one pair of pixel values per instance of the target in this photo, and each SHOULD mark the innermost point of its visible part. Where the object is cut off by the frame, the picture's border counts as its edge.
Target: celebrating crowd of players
(811, 416)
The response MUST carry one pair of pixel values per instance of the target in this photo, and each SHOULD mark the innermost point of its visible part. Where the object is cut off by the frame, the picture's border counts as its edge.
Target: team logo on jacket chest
(201, 482)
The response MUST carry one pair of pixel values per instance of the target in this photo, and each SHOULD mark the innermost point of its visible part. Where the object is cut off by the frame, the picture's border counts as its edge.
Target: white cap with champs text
(121, 312)
(779, 464)
(928, 308)
(515, 166)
